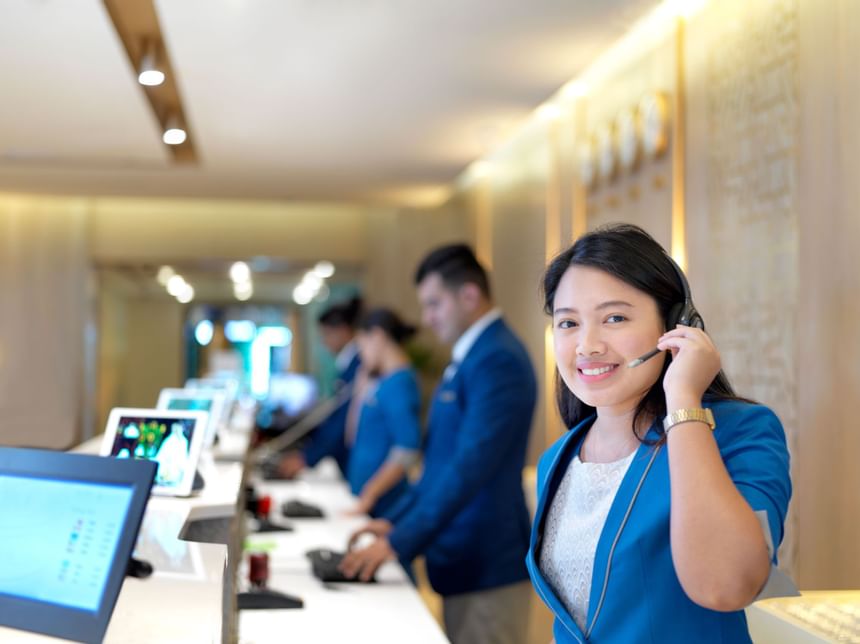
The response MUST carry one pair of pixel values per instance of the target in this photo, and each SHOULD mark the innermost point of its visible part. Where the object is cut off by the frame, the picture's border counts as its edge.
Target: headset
(685, 312)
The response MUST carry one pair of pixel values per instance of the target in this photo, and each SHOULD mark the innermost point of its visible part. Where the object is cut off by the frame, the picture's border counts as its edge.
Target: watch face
(605, 151)
(587, 170)
(628, 138)
(654, 117)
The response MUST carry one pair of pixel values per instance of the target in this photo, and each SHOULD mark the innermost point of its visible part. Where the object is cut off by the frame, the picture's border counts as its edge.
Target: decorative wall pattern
(751, 281)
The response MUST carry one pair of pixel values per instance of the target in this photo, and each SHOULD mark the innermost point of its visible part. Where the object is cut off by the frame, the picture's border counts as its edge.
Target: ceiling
(370, 101)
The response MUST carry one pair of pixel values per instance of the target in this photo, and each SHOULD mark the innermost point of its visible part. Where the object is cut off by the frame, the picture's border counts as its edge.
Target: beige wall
(644, 196)
(742, 210)
(45, 306)
(827, 343)
(140, 348)
(133, 230)
(397, 240)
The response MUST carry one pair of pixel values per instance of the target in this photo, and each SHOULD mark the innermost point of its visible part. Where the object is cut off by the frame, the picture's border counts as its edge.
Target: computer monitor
(228, 385)
(172, 439)
(296, 393)
(68, 523)
(212, 401)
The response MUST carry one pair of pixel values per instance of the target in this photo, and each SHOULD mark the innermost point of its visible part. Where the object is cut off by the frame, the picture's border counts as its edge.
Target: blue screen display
(58, 538)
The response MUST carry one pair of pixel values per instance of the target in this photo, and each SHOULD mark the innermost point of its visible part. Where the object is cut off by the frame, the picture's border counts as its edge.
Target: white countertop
(390, 611)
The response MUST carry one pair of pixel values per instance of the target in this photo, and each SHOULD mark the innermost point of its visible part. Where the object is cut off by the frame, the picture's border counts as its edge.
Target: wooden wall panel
(642, 196)
(827, 478)
(44, 303)
(742, 205)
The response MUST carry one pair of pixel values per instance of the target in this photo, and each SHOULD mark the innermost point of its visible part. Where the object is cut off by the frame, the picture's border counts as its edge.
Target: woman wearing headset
(659, 512)
(388, 437)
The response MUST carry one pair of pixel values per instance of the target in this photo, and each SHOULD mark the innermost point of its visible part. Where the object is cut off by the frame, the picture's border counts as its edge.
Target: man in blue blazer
(337, 329)
(467, 514)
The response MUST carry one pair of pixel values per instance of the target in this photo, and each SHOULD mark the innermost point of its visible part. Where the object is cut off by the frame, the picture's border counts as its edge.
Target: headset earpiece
(685, 312)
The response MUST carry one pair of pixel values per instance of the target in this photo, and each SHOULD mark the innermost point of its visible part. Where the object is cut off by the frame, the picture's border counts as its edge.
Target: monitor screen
(211, 401)
(66, 560)
(172, 439)
(295, 392)
(68, 523)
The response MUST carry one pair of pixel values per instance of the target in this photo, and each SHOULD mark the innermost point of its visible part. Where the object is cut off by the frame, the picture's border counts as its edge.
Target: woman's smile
(591, 371)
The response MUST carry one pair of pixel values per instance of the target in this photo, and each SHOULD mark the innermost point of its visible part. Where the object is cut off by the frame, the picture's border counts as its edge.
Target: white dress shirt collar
(345, 356)
(471, 335)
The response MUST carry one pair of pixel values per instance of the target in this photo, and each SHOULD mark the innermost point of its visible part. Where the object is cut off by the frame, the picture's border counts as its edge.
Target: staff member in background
(659, 513)
(337, 329)
(468, 514)
(388, 437)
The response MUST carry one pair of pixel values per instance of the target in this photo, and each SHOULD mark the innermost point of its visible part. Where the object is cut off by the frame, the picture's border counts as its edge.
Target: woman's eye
(616, 318)
(566, 324)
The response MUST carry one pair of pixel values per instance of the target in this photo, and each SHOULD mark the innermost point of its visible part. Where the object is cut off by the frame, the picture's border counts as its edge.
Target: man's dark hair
(342, 314)
(456, 265)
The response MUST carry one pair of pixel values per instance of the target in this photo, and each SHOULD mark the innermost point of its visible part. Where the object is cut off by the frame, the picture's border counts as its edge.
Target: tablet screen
(172, 439)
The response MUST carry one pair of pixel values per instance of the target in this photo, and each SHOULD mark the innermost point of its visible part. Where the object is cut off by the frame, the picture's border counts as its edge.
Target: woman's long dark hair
(630, 254)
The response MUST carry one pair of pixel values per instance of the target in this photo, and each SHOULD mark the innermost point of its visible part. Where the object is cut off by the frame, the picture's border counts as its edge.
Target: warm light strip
(553, 425)
(553, 194)
(679, 161)
(579, 212)
(483, 224)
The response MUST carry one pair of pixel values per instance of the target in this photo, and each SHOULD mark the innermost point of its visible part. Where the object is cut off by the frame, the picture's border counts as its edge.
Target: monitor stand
(266, 599)
(264, 525)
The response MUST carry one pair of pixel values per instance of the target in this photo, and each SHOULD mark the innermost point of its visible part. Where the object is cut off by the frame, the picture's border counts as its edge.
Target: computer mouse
(326, 566)
(299, 510)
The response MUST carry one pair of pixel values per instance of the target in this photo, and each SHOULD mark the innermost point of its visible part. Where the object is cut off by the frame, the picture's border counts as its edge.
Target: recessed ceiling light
(148, 72)
(174, 134)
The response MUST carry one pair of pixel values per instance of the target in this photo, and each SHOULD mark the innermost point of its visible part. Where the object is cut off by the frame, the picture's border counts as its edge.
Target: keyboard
(818, 615)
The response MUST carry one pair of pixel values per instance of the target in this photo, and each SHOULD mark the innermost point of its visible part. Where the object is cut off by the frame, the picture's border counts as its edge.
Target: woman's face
(600, 324)
(370, 347)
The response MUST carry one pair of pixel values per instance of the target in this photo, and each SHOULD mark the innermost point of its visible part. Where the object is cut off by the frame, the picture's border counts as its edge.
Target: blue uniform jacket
(468, 512)
(389, 418)
(328, 438)
(643, 599)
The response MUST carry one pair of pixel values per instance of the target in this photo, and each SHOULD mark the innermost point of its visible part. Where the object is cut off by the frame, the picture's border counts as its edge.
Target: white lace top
(573, 525)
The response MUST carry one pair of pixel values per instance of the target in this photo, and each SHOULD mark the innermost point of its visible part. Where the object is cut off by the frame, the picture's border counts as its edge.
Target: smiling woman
(667, 479)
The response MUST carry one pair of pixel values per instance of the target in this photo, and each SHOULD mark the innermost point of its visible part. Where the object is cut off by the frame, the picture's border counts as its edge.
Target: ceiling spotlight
(186, 294)
(174, 134)
(175, 285)
(240, 272)
(324, 269)
(302, 294)
(148, 72)
(312, 281)
(164, 274)
(243, 291)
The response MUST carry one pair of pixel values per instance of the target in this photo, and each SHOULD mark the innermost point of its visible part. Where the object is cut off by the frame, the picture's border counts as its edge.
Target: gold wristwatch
(689, 415)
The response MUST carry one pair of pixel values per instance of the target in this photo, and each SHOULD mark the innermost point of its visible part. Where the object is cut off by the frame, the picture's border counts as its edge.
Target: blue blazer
(328, 439)
(643, 599)
(468, 512)
(389, 418)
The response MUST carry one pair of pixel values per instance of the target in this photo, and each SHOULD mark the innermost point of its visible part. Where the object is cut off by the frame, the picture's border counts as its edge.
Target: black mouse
(299, 510)
(325, 564)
